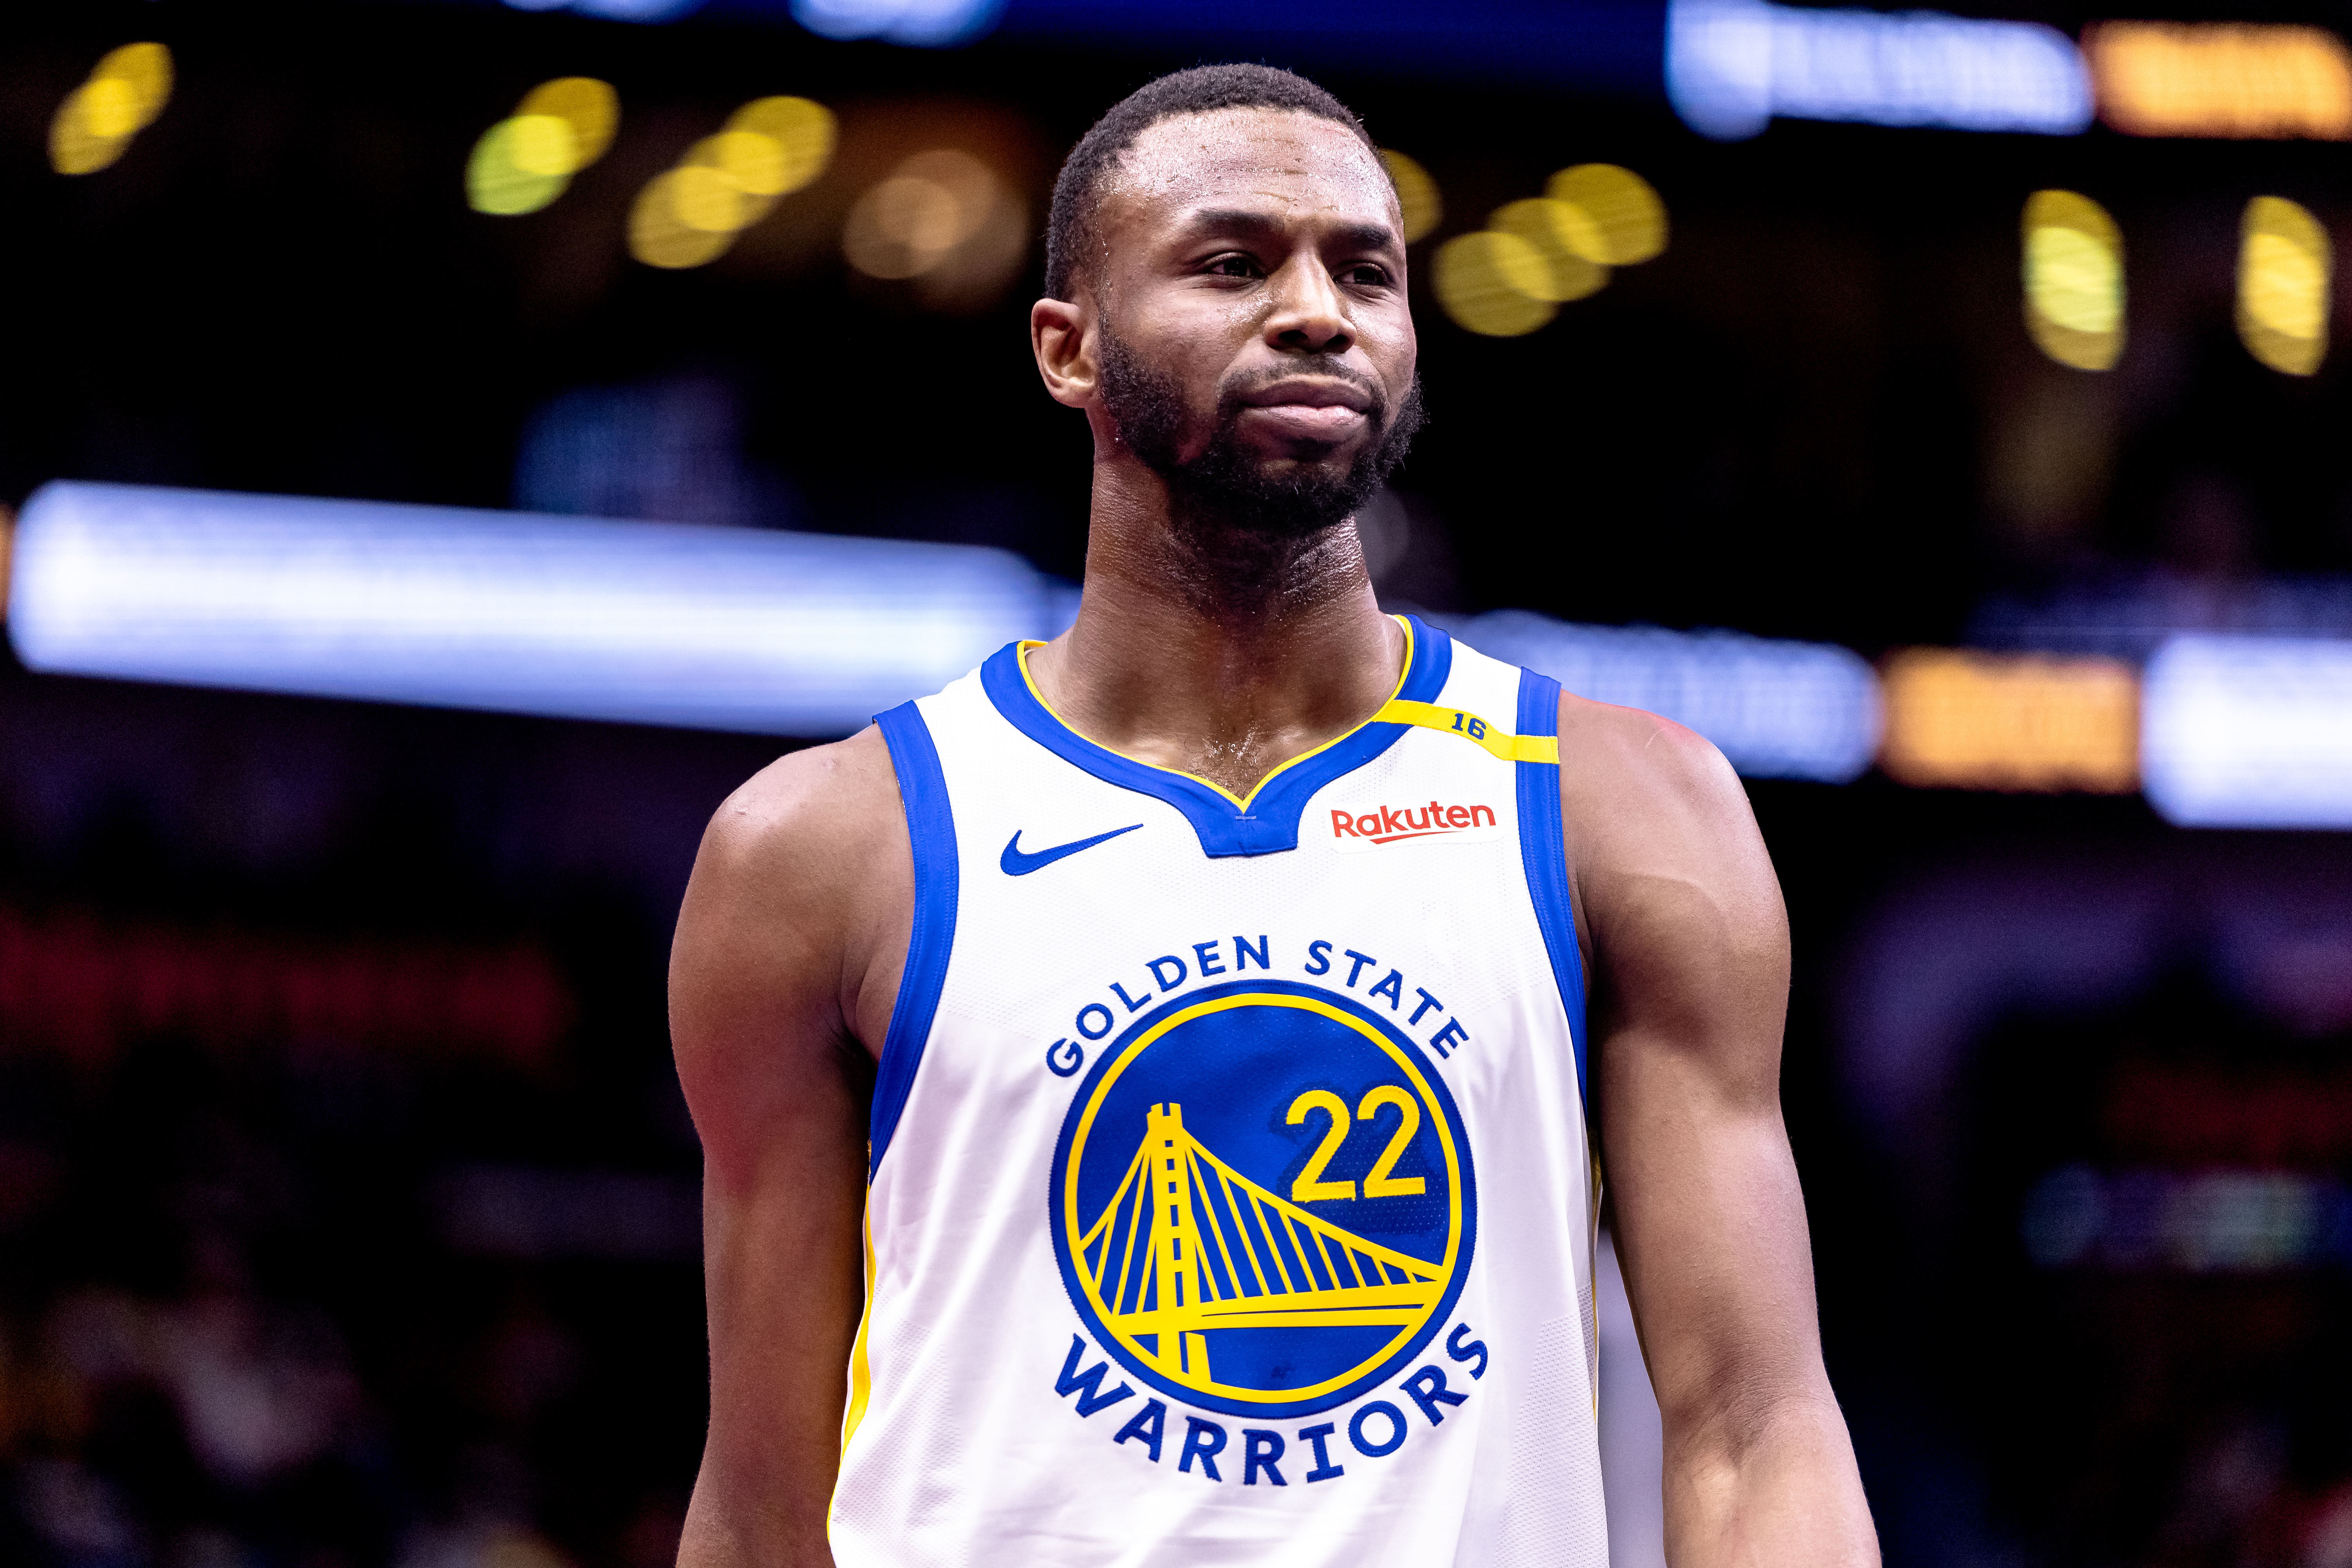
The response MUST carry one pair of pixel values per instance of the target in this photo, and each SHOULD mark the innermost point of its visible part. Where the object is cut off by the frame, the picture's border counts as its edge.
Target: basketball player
(1146, 1087)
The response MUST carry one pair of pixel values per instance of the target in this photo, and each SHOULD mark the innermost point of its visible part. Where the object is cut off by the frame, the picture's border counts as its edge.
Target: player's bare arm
(784, 968)
(1688, 946)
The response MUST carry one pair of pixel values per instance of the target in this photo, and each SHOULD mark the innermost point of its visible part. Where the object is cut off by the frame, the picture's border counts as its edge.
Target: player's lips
(1317, 410)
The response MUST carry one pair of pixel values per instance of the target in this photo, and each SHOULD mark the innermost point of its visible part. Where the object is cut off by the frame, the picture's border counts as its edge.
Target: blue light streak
(1733, 65)
(654, 623)
(710, 628)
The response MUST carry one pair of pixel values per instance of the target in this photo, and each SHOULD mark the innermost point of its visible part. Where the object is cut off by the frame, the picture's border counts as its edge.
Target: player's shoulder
(1661, 836)
(807, 815)
(1633, 763)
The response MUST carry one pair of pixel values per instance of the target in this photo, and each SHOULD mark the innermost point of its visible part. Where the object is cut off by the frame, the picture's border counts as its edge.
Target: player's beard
(1224, 487)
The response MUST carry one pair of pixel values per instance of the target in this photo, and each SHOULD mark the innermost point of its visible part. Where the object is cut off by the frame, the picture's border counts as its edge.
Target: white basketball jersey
(1230, 1198)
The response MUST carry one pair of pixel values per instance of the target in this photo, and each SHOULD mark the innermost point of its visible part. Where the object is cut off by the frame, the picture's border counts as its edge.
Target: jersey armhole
(930, 832)
(1543, 852)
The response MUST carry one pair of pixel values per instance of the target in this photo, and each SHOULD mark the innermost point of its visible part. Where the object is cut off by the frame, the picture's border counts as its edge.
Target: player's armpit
(1690, 972)
(784, 962)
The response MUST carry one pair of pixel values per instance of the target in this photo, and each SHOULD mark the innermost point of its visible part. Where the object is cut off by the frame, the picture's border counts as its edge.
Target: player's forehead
(1286, 164)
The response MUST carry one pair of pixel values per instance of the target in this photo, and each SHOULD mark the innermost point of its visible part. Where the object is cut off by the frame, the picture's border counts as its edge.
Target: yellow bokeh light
(909, 223)
(527, 160)
(1620, 222)
(1486, 282)
(2285, 286)
(1975, 721)
(659, 237)
(2225, 79)
(1552, 231)
(1418, 202)
(109, 107)
(589, 109)
(755, 163)
(2074, 267)
(727, 182)
(93, 127)
(2075, 279)
(704, 198)
(2284, 266)
(542, 144)
(803, 131)
(517, 166)
(74, 147)
(144, 71)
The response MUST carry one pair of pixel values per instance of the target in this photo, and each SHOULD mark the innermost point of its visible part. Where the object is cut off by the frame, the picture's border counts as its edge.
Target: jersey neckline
(1266, 821)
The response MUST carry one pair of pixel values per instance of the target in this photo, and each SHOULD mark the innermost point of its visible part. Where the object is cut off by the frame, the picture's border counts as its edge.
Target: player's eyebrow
(1262, 224)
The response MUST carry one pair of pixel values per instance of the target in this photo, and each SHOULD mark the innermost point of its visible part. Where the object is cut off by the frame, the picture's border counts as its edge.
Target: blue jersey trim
(1543, 850)
(930, 830)
(1267, 823)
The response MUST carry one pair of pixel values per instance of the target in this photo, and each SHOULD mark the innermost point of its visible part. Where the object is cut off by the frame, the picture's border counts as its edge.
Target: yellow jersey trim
(861, 1371)
(1470, 727)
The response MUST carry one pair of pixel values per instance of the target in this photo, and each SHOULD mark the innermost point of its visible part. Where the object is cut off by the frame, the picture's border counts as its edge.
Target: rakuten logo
(1352, 830)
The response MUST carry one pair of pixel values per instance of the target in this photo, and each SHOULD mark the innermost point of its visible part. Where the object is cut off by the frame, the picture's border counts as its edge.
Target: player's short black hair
(1069, 226)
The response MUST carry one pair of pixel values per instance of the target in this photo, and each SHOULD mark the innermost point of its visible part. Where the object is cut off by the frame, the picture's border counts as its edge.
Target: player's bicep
(1692, 960)
(750, 1008)
(783, 920)
(1691, 939)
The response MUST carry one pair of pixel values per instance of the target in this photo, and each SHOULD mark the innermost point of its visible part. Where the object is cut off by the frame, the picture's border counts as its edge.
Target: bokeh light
(590, 108)
(520, 165)
(1733, 65)
(659, 231)
(1616, 218)
(802, 130)
(1490, 283)
(2161, 78)
(2073, 266)
(910, 223)
(769, 147)
(527, 160)
(2285, 264)
(95, 125)
(1551, 250)
(1560, 236)
(1976, 720)
(2249, 732)
(752, 163)
(706, 194)
(739, 629)
(1418, 202)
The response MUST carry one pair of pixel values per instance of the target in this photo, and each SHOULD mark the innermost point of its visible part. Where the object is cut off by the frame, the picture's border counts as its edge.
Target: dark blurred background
(348, 1205)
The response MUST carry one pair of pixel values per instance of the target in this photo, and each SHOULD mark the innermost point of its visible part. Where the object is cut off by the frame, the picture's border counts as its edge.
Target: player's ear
(1061, 335)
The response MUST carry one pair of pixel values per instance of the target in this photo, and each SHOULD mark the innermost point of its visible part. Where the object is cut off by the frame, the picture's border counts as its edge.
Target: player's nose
(1309, 316)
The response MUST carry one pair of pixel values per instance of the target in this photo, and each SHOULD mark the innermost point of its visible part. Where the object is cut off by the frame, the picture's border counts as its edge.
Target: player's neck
(1219, 651)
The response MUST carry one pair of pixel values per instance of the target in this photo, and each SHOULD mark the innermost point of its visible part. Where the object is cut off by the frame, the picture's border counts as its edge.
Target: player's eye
(1365, 274)
(1232, 264)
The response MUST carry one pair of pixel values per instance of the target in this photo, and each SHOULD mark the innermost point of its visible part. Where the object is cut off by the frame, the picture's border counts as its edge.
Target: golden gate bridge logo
(1265, 1262)
(1214, 1286)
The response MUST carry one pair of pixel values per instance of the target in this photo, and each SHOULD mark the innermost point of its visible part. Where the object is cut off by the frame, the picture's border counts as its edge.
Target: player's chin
(1296, 460)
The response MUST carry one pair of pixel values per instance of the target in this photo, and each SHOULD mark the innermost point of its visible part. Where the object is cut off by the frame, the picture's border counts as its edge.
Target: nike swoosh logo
(1019, 862)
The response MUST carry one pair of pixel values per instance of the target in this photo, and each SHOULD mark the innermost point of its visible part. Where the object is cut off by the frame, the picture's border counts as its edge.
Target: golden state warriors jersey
(1230, 1198)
